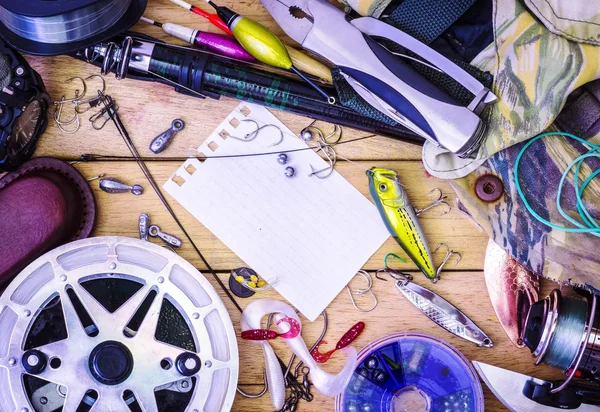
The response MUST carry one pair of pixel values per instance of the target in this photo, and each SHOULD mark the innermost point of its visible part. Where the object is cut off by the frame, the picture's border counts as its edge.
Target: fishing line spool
(47, 28)
(564, 332)
(115, 323)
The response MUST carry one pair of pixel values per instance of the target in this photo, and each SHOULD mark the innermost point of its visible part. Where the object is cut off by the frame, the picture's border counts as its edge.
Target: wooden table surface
(148, 109)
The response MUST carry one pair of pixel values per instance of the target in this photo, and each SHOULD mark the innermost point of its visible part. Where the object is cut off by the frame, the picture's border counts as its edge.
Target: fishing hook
(331, 156)
(60, 124)
(441, 200)
(307, 135)
(248, 137)
(449, 253)
(258, 395)
(351, 293)
(336, 133)
(58, 113)
(77, 96)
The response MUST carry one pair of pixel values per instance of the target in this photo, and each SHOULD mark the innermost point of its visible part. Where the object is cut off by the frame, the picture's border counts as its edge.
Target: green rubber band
(590, 225)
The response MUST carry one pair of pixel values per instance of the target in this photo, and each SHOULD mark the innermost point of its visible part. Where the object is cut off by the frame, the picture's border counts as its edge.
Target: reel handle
(571, 397)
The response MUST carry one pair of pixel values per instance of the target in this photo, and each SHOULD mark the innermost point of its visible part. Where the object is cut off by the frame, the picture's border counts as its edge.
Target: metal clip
(154, 231)
(100, 118)
(162, 141)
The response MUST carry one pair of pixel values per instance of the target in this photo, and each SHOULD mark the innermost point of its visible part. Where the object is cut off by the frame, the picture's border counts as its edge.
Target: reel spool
(48, 28)
(563, 332)
(115, 324)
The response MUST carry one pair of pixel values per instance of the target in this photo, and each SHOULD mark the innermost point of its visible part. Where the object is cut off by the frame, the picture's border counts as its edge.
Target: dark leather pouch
(43, 204)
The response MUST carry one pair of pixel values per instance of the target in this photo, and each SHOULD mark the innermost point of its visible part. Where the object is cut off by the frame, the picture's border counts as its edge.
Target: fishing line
(68, 27)
(100, 157)
(589, 225)
(570, 325)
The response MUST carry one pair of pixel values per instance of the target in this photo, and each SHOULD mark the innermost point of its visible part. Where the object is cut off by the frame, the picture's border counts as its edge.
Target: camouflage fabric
(534, 72)
(561, 256)
(577, 20)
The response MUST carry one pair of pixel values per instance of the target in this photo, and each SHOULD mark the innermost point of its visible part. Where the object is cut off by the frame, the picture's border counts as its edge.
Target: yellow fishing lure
(400, 218)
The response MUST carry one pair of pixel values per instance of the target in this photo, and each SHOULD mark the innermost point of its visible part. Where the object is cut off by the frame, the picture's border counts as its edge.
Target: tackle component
(123, 324)
(261, 43)
(564, 332)
(438, 309)
(400, 218)
(163, 140)
(116, 186)
(385, 81)
(144, 226)
(512, 289)
(202, 74)
(170, 240)
(348, 337)
(217, 43)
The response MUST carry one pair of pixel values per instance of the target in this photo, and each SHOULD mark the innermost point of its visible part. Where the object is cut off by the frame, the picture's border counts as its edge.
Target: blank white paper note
(312, 234)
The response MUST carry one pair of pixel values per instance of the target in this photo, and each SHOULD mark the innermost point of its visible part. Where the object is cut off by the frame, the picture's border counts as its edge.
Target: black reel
(572, 397)
(24, 105)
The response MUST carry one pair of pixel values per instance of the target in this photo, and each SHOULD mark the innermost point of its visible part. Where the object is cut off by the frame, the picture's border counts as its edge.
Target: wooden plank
(148, 108)
(118, 213)
(393, 314)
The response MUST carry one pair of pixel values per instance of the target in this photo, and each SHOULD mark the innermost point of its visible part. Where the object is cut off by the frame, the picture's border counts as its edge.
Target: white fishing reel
(115, 324)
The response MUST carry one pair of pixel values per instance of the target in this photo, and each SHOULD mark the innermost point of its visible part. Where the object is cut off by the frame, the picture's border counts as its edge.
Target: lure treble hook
(441, 200)
(449, 254)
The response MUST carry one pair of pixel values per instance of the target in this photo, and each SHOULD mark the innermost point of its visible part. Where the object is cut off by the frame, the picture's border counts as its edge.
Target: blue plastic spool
(411, 369)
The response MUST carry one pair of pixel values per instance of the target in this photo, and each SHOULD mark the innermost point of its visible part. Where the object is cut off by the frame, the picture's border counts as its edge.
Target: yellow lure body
(261, 43)
(400, 218)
